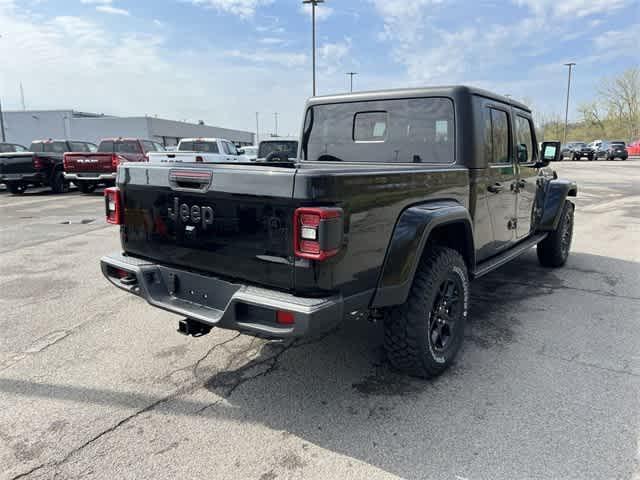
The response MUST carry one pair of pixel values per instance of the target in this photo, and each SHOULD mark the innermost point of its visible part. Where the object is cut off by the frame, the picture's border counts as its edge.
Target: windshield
(289, 147)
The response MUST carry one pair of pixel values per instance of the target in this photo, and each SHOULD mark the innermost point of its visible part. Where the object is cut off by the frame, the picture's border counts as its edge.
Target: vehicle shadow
(491, 413)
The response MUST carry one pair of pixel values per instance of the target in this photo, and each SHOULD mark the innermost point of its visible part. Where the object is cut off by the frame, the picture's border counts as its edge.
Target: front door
(526, 156)
(501, 178)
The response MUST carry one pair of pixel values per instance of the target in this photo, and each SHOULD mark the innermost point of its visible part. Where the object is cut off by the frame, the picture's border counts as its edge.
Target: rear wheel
(58, 183)
(424, 335)
(17, 188)
(553, 251)
(86, 187)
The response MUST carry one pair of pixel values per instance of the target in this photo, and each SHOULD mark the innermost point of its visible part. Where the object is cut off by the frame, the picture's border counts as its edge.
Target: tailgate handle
(190, 179)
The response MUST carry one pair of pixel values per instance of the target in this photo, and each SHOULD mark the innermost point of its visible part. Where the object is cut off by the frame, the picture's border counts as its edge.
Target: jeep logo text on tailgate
(195, 213)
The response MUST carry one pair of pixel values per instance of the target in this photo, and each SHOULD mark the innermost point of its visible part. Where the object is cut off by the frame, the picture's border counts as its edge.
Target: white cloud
(242, 8)
(96, 2)
(158, 23)
(565, 8)
(271, 41)
(112, 10)
(268, 57)
(332, 56)
(92, 67)
(322, 11)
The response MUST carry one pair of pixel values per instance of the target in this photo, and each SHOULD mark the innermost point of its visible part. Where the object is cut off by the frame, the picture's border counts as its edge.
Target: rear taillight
(37, 162)
(115, 161)
(113, 205)
(317, 232)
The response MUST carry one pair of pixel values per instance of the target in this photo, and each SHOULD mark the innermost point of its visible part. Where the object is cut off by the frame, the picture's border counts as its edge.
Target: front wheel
(424, 335)
(553, 251)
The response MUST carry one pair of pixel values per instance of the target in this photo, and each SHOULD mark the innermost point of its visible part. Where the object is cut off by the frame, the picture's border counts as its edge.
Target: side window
(497, 137)
(524, 140)
(20, 148)
(158, 147)
(232, 148)
(370, 127)
(92, 147)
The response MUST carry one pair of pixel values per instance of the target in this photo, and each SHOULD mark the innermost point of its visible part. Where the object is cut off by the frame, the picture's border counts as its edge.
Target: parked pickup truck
(398, 199)
(88, 170)
(40, 166)
(201, 150)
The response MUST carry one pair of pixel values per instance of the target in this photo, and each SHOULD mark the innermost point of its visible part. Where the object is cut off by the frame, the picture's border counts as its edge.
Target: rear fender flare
(408, 241)
(555, 193)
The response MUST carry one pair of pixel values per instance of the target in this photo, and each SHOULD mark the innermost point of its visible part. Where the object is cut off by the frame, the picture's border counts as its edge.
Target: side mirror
(550, 153)
(240, 151)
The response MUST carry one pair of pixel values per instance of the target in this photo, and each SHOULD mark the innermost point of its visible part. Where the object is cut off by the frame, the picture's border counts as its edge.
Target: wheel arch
(445, 223)
(555, 194)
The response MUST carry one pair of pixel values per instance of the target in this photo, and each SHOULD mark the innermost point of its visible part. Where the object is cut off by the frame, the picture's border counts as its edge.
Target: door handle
(495, 188)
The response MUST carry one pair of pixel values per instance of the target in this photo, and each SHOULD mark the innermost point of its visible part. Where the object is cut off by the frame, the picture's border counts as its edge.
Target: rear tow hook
(193, 328)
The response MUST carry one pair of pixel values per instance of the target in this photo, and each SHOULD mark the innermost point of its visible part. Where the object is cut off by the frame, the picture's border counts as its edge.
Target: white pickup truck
(205, 150)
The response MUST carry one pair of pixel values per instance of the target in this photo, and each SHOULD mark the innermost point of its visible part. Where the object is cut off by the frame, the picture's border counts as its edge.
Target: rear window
(126, 146)
(618, 144)
(267, 148)
(105, 147)
(202, 147)
(49, 147)
(79, 147)
(419, 130)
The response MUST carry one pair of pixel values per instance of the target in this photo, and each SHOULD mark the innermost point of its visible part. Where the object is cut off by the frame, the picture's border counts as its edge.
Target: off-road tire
(408, 340)
(16, 188)
(553, 251)
(58, 183)
(86, 187)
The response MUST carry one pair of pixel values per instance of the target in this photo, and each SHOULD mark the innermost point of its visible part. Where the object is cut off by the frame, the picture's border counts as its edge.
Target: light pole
(275, 115)
(257, 127)
(314, 4)
(566, 111)
(351, 75)
(4, 139)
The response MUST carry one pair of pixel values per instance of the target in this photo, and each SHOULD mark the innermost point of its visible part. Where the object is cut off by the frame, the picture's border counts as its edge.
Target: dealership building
(23, 127)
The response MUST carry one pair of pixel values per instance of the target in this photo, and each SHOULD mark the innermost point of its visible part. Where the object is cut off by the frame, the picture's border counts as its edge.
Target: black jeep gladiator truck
(396, 201)
(40, 166)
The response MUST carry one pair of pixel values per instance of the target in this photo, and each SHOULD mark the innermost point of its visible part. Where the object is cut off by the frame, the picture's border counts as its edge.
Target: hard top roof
(451, 91)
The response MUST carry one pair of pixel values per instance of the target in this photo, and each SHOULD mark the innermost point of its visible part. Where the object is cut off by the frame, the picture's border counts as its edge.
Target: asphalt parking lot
(96, 384)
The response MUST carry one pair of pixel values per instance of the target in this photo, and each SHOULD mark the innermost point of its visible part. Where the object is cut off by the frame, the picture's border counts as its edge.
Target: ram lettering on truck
(397, 200)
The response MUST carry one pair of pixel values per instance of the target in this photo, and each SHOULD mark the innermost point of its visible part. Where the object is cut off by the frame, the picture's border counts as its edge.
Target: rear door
(526, 185)
(501, 175)
(231, 220)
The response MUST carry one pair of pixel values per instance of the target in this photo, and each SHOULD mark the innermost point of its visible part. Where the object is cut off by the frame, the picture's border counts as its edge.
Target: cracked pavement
(96, 384)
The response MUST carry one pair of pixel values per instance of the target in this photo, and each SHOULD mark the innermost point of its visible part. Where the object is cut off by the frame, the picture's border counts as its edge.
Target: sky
(222, 61)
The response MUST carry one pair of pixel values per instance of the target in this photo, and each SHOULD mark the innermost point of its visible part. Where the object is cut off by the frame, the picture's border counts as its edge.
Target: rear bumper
(220, 303)
(31, 177)
(90, 177)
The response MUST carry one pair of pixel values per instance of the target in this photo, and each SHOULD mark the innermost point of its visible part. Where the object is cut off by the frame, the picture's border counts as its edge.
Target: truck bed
(250, 237)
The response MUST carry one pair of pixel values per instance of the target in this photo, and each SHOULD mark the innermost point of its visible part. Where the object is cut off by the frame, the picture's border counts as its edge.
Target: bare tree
(622, 97)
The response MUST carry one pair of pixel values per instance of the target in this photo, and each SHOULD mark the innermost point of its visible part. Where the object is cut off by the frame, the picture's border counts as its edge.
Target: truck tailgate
(229, 220)
(88, 162)
(16, 163)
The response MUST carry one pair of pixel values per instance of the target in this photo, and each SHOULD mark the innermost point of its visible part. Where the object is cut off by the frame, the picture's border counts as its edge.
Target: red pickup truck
(88, 170)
